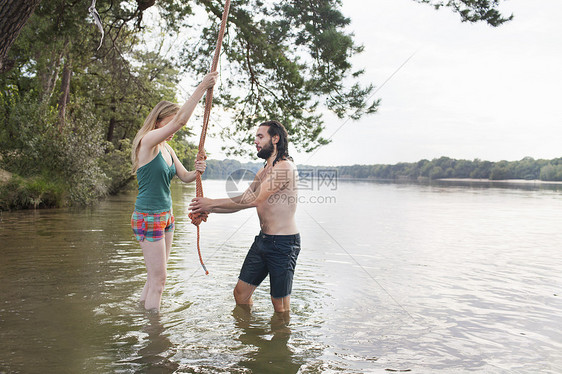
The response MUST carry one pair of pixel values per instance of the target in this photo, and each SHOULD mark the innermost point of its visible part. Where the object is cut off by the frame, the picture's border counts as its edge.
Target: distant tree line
(217, 169)
(444, 167)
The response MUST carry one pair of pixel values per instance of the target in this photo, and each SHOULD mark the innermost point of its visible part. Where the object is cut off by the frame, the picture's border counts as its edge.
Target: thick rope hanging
(197, 218)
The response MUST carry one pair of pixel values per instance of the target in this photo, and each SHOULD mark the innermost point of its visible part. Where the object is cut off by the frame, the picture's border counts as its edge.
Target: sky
(448, 88)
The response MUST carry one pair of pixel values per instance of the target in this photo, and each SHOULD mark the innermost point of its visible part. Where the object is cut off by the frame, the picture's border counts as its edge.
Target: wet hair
(276, 128)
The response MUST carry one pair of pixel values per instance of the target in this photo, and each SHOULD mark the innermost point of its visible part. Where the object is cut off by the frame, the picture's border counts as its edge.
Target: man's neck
(271, 159)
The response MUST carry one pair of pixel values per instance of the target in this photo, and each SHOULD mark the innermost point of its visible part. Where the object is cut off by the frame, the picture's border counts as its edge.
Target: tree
(528, 168)
(13, 16)
(284, 64)
(551, 172)
(69, 111)
(463, 168)
(501, 170)
(473, 10)
(436, 173)
(482, 169)
(285, 60)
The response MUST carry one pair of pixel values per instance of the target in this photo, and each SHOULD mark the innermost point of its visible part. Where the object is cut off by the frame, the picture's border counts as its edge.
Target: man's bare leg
(282, 304)
(243, 293)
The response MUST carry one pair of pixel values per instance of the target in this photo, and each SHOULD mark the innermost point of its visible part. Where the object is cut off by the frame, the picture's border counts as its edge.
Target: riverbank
(523, 182)
(17, 192)
(504, 181)
(30, 193)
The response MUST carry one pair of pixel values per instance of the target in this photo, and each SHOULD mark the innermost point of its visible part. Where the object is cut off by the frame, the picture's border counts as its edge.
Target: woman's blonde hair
(162, 110)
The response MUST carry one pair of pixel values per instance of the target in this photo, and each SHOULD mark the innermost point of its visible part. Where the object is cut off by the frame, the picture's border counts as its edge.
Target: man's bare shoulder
(285, 165)
(285, 169)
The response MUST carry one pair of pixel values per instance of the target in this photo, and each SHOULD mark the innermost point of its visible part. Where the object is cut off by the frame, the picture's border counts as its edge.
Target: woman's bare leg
(155, 261)
(169, 237)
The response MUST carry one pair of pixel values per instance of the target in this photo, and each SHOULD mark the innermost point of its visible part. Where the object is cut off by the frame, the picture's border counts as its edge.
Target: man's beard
(266, 151)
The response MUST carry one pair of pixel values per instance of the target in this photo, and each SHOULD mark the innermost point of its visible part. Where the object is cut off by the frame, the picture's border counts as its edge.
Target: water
(391, 278)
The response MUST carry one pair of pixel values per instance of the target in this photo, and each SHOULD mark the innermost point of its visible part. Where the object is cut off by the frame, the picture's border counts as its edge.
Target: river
(420, 278)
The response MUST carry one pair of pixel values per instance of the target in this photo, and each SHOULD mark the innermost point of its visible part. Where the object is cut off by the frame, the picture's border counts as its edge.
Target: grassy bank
(30, 193)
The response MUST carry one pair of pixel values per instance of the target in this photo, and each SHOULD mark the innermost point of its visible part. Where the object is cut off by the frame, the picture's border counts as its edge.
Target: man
(274, 195)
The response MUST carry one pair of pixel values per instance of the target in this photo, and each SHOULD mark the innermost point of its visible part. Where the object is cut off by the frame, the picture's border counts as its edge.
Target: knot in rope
(197, 218)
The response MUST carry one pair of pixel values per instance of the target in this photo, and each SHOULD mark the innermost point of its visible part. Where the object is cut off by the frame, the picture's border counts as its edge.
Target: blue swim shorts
(275, 255)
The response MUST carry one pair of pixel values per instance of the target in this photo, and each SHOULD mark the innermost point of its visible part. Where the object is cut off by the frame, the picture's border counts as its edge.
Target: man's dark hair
(276, 128)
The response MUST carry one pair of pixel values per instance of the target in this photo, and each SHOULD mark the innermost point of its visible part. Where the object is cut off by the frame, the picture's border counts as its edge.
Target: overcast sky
(469, 90)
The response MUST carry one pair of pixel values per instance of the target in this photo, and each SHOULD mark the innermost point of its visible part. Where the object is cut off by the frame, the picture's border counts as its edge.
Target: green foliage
(85, 148)
(26, 135)
(551, 172)
(20, 193)
(186, 152)
(291, 60)
(223, 169)
(473, 10)
(443, 167)
(481, 169)
(284, 60)
(116, 165)
(34, 145)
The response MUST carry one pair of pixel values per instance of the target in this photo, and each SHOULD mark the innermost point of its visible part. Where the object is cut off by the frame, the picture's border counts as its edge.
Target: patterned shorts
(151, 227)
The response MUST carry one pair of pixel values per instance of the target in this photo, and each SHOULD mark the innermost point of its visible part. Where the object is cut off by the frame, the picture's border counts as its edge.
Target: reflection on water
(392, 277)
(271, 354)
(155, 355)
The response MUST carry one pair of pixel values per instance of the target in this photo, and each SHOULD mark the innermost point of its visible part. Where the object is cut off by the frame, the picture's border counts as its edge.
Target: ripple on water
(421, 279)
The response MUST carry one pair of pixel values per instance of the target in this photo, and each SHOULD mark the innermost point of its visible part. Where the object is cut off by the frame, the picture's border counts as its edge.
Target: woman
(156, 163)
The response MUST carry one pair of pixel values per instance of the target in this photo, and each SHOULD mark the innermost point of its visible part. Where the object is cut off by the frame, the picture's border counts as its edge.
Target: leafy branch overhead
(290, 60)
(287, 60)
(473, 10)
(286, 64)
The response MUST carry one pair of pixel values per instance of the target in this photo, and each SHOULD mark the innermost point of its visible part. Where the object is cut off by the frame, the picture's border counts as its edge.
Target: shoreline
(471, 180)
(506, 181)
(528, 182)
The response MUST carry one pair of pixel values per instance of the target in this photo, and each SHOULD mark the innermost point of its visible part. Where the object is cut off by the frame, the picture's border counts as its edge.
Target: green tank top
(154, 186)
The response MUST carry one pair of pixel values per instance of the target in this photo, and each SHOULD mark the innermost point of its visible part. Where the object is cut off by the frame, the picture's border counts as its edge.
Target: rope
(197, 218)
